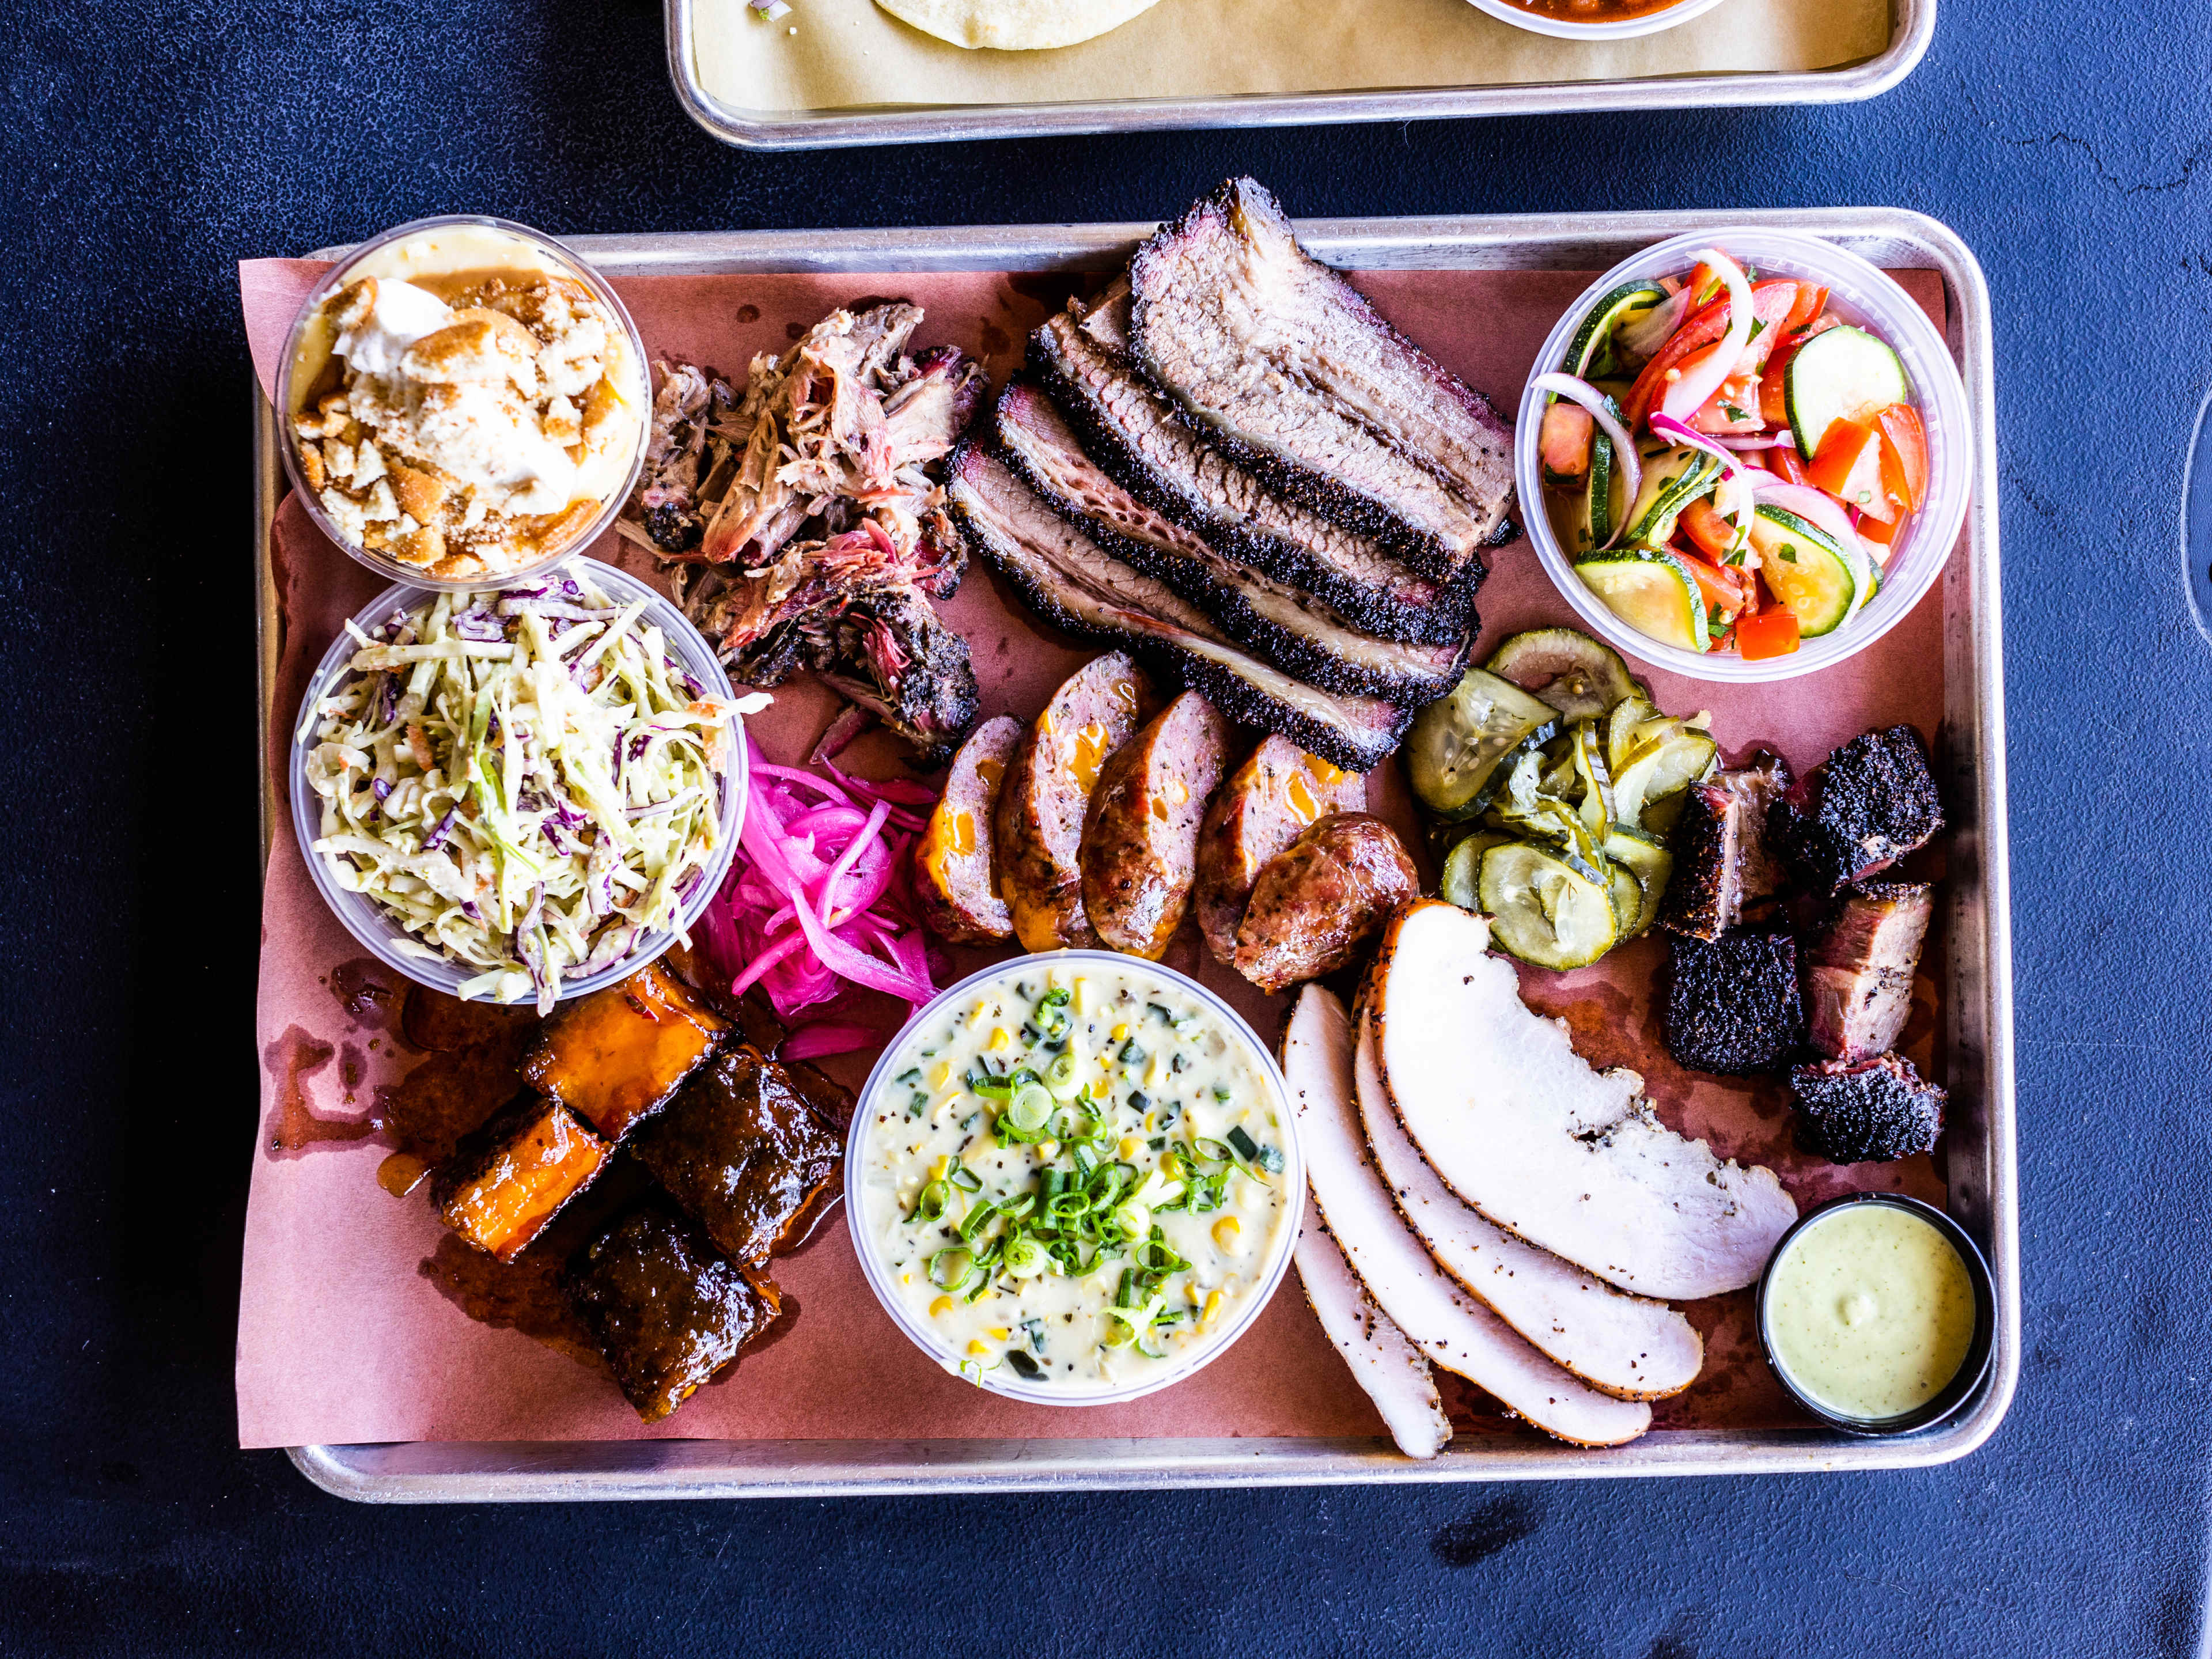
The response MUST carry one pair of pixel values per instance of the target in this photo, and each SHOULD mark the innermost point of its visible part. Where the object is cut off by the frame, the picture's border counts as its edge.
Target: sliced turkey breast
(1626, 1345)
(1393, 1371)
(1448, 1326)
(1524, 1129)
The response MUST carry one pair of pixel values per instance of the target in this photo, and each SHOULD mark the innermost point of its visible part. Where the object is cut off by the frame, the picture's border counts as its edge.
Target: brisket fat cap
(1870, 803)
(1866, 1111)
(1732, 1003)
(1069, 580)
(1295, 375)
(1290, 629)
(1138, 438)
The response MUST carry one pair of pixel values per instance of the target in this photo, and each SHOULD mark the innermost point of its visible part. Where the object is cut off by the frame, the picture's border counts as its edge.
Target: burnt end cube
(1858, 973)
(742, 1152)
(1732, 1003)
(1871, 802)
(508, 1179)
(665, 1307)
(618, 1055)
(1866, 1111)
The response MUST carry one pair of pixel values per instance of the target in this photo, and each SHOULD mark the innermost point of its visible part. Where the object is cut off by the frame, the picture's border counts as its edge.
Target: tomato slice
(1717, 586)
(1769, 633)
(1904, 456)
(1809, 302)
(1872, 528)
(1789, 463)
(1704, 525)
(1842, 453)
(1564, 440)
(1771, 303)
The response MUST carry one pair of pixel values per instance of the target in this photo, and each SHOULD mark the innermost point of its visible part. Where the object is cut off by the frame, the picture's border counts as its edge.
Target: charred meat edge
(1465, 514)
(1279, 537)
(1278, 624)
(1079, 587)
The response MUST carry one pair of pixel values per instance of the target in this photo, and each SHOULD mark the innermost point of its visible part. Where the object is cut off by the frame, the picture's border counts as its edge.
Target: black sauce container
(1971, 1369)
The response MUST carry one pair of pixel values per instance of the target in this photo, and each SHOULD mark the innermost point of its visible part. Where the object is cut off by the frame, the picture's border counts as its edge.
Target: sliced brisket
(1136, 435)
(1867, 805)
(1068, 578)
(1270, 618)
(1724, 874)
(1293, 372)
(1866, 1111)
(1858, 974)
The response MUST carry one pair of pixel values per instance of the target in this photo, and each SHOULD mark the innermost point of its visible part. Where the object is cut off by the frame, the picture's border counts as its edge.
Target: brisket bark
(1135, 433)
(1866, 1111)
(1293, 372)
(1069, 580)
(1274, 621)
(1724, 872)
(1866, 806)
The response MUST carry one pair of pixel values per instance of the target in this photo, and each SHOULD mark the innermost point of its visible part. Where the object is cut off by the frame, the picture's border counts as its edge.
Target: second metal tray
(1912, 25)
(1977, 1004)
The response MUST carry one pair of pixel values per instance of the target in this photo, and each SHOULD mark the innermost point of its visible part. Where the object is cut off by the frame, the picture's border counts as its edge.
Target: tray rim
(1912, 27)
(552, 1470)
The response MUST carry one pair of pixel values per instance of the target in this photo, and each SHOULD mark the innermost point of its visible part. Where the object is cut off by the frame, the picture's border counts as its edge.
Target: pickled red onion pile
(821, 896)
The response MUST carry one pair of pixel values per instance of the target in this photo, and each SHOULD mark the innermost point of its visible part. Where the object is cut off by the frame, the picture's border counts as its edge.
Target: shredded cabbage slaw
(525, 778)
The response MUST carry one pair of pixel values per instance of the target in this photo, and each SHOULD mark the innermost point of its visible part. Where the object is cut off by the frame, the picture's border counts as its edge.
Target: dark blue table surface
(147, 148)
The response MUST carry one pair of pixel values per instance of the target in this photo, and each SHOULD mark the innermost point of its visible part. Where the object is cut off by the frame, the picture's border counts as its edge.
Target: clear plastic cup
(374, 927)
(1194, 1358)
(447, 246)
(1858, 293)
(1617, 28)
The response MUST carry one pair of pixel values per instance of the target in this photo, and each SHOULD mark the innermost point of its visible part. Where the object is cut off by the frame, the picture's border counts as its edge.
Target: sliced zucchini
(1591, 349)
(1458, 741)
(1672, 480)
(1653, 593)
(1805, 567)
(1664, 767)
(1840, 374)
(1544, 911)
(1649, 864)
(1576, 674)
(1463, 867)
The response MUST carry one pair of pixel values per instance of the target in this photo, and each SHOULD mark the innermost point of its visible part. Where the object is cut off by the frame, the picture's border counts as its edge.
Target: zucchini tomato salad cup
(1747, 452)
(521, 793)
(1075, 1178)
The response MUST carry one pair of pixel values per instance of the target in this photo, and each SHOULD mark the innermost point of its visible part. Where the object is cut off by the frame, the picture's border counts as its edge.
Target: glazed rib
(1067, 578)
(1269, 617)
(1292, 372)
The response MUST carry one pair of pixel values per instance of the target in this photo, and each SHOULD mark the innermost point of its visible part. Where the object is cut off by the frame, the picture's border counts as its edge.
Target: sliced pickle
(1658, 769)
(1463, 867)
(1458, 741)
(1578, 676)
(1543, 910)
(1596, 779)
(1648, 864)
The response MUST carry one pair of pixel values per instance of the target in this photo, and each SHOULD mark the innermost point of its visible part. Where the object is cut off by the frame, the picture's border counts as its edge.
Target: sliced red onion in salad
(1641, 338)
(1623, 447)
(1735, 475)
(1702, 372)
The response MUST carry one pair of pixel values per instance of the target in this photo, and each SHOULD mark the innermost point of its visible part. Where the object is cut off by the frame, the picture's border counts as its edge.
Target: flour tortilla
(1015, 25)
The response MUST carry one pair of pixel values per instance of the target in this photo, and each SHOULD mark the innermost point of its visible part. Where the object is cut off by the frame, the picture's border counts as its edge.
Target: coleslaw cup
(374, 927)
(1858, 293)
(444, 245)
(1267, 1281)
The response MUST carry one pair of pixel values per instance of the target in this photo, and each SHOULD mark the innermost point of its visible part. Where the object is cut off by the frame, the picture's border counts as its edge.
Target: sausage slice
(1321, 898)
(1266, 802)
(1139, 853)
(952, 864)
(1037, 829)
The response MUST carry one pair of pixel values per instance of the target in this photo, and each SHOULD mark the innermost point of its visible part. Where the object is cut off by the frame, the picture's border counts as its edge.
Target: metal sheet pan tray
(1984, 1188)
(1912, 25)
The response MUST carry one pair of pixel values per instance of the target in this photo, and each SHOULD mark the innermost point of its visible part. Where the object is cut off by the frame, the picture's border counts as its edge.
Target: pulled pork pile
(800, 522)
